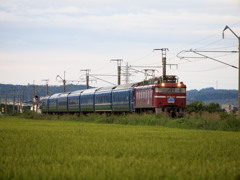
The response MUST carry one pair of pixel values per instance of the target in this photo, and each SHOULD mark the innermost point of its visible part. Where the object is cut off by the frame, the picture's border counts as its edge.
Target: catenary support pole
(238, 37)
(118, 69)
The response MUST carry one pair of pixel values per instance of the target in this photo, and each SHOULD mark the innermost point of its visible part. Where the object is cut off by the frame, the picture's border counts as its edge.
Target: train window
(176, 90)
(179, 90)
(162, 90)
(183, 90)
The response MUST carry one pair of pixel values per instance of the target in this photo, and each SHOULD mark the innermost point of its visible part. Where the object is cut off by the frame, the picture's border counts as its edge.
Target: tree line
(199, 106)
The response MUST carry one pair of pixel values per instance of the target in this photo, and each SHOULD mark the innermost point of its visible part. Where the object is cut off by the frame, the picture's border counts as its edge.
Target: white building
(227, 107)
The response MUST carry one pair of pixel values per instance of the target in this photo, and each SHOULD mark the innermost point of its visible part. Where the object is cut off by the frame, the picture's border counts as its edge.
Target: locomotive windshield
(179, 90)
(163, 90)
(170, 90)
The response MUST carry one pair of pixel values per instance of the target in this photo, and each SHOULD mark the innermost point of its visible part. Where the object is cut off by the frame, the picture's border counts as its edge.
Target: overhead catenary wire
(205, 56)
(215, 59)
(102, 80)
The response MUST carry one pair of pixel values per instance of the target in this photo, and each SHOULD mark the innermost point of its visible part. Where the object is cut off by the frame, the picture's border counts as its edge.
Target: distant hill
(206, 95)
(30, 91)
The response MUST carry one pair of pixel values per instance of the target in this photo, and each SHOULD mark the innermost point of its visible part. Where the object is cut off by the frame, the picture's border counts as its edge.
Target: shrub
(194, 120)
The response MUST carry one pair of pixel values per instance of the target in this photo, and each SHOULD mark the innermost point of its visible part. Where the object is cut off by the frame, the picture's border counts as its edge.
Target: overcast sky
(42, 39)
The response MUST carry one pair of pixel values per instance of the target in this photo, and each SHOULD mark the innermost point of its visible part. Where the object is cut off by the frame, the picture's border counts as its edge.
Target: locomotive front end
(170, 96)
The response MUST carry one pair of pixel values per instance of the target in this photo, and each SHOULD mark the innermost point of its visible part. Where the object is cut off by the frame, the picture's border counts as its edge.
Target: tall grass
(203, 120)
(67, 148)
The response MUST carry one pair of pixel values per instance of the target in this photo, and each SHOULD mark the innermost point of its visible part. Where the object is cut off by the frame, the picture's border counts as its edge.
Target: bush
(199, 106)
(201, 120)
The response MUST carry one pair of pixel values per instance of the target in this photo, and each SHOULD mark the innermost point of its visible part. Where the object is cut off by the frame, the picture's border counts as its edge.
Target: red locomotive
(164, 94)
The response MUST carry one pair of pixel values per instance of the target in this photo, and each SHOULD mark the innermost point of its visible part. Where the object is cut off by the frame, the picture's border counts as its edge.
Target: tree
(199, 106)
(195, 106)
(213, 107)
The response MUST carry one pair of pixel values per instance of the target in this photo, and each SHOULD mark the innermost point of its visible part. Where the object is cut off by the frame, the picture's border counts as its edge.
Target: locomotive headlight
(163, 84)
(179, 85)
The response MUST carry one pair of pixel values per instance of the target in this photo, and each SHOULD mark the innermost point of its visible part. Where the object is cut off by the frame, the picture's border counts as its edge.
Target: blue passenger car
(53, 103)
(44, 101)
(74, 101)
(62, 102)
(103, 100)
(87, 100)
(123, 98)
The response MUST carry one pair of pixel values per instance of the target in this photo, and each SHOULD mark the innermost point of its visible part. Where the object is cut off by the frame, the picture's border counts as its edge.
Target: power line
(209, 44)
(205, 56)
(102, 80)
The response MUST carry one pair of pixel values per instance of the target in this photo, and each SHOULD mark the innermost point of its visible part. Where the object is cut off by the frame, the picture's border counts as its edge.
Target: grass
(203, 120)
(63, 149)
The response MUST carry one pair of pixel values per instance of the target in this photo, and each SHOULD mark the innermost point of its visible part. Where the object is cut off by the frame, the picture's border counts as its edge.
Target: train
(157, 95)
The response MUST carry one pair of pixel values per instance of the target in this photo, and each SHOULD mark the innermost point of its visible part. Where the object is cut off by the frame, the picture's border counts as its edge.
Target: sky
(40, 40)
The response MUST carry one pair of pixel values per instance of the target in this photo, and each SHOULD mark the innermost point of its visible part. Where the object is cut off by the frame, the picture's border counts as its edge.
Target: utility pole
(14, 99)
(33, 93)
(22, 101)
(46, 80)
(87, 77)
(238, 37)
(63, 80)
(118, 69)
(6, 102)
(127, 74)
(164, 60)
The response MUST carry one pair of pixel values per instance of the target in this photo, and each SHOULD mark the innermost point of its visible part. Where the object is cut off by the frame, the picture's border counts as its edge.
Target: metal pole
(14, 98)
(87, 77)
(238, 76)
(6, 102)
(164, 59)
(33, 94)
(119, 75)
(238, 64)
(127, 74)
(22, 101)
(64, 85)
(46, 85)
(46, 89)
(164, 62)
(64, 82)
(87, 80)
(118, 69)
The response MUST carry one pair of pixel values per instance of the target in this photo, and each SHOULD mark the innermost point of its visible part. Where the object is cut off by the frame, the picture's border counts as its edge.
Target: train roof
(64, 94)
(75, 92)
(89, 91)
(125, 86)
(145, 86)
(105, 89)
(44, 97)
(54, 96)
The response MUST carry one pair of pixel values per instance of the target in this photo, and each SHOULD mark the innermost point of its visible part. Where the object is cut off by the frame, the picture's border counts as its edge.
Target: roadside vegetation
(196, 120)
(197, 116)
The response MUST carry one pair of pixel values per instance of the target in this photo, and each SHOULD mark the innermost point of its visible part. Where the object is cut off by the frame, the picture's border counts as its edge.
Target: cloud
(62, 10)
(146, 20)
(88, 33)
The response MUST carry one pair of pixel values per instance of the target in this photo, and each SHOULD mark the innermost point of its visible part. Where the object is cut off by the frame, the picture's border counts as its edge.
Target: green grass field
(57, 149)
